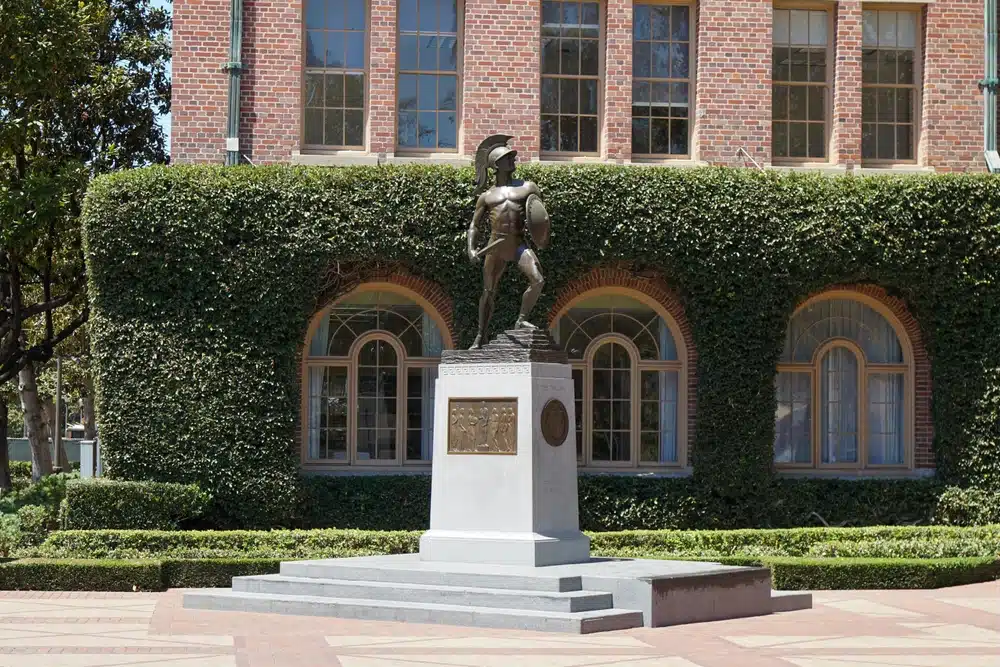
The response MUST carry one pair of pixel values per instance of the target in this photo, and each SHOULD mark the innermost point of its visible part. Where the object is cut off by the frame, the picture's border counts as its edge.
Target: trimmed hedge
(80, 575)
(790, 574)
(100, 503)
(787, 573)
(331, 543)
(203, 281)
(226, 544)
(214, 572)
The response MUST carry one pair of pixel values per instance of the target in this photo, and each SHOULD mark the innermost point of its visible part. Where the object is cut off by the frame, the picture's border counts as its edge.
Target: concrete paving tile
(907, 660)
(121, 660)
(569, 641)
(520, 659)
(869, 608)
(990, 605)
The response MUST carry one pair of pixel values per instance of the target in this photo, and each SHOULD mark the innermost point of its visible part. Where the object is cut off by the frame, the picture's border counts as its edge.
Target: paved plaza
(955, 627)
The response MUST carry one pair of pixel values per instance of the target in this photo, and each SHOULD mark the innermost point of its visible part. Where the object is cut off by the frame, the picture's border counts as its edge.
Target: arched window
(629, 381)
(844, 387)
(369, 381)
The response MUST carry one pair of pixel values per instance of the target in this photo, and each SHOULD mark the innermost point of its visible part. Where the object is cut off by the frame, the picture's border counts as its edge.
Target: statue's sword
(489, 246)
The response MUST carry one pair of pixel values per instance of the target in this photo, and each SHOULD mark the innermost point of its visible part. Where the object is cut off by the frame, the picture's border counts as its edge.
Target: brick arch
(655, 288)
(341, 283)
(923, 425)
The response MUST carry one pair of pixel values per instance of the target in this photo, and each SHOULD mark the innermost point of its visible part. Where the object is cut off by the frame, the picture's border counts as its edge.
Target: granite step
(581, 622)
(464, 596)
(409, 570)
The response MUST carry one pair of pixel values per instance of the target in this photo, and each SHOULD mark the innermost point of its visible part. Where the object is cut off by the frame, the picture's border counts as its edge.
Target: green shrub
(10, 534)
(226, 544)
(47, 492)
(781, 542)
(80, 575)
(214, 572)
(967, 507)
(382, 502)
(195, 337)
(791, 574)
(35, 524)
(20, 471)
(96, 504)
(968, 547)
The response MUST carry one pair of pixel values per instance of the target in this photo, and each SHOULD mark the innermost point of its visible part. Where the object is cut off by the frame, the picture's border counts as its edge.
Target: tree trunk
(49, 415)
(41, 455)
(87, 415)
(5, 484)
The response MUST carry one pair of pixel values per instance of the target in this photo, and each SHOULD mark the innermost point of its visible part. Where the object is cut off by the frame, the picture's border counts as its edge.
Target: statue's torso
(506, 204)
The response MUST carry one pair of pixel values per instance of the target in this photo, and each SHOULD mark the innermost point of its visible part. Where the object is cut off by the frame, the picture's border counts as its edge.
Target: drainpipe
(988, 86)
(234, 67)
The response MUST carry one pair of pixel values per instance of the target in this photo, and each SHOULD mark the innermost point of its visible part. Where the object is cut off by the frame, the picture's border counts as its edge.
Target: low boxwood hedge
(81, 575)
(967, 507)
(213, 572)
(790, 574)
(104, 503)
(787, 573)
(333, 543)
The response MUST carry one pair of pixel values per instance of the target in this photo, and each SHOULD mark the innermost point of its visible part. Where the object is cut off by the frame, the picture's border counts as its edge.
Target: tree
(81, 85)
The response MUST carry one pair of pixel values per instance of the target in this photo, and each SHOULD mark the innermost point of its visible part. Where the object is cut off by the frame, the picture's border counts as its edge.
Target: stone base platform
(595, 596)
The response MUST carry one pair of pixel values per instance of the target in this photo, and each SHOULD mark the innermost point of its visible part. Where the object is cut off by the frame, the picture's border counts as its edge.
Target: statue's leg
(493, 268)
(532, 270)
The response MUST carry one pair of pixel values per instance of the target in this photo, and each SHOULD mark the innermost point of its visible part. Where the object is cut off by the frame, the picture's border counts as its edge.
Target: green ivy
(203, 280)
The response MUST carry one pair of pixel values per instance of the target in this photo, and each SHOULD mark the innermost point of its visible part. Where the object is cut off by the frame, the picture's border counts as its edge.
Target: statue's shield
(538, 221)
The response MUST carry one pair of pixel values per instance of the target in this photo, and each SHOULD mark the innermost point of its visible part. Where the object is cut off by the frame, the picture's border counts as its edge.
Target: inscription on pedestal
(482, 426)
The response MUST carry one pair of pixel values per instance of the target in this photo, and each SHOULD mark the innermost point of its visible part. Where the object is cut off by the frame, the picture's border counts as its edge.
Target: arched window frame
(865, 368)
(404, 363)
(586, 367)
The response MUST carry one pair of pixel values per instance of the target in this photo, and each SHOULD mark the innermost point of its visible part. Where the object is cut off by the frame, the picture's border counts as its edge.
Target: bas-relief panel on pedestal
(482, 426)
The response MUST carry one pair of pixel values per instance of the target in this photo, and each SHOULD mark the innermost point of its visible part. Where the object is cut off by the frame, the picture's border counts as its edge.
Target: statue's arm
(474, 226)
(532, 188)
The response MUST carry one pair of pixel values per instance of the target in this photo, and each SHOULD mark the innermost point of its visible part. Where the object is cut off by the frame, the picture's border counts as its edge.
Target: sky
(165, 120)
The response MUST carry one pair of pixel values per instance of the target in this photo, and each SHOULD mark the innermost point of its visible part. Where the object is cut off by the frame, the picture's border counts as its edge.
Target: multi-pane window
(661, 79)
(370, 373)
(800, 88)
(840, 388)
(626, 378)
(888, 85)
(570, 76)
(334, 81)
(428, 75)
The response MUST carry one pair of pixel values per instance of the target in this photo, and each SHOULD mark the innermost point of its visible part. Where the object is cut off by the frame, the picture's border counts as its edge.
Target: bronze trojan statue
(513, 207)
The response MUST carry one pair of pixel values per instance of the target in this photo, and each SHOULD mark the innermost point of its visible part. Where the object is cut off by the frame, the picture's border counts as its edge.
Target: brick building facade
(835, 85)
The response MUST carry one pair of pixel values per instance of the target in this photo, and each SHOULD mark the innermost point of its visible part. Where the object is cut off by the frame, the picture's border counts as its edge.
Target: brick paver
(954, 627)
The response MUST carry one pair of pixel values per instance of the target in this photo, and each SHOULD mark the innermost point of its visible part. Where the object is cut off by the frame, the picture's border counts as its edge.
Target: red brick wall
(270, 94)
(845, 134)
(501, 57)
(951, 127)
(500, 85)
(733, 89)
(198, 113)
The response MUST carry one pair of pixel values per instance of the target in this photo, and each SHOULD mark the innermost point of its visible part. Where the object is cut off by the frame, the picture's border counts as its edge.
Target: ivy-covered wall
(203, 280)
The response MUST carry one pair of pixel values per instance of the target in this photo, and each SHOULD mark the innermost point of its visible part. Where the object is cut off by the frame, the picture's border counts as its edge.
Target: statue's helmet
(497, 153)
(490, 151)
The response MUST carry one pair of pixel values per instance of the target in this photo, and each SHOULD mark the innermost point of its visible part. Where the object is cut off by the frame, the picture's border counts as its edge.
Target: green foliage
(791, 574)
(967, 507)
(616, 502)
(203, 281)
(226, 544)
(48, 492)
(104, 503)
(214, 572)
(965, 547)
(80, 575)
(35, 524)
(917, 541)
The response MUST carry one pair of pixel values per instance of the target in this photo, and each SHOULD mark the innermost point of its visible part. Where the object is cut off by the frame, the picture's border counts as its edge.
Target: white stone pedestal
(506, 509)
